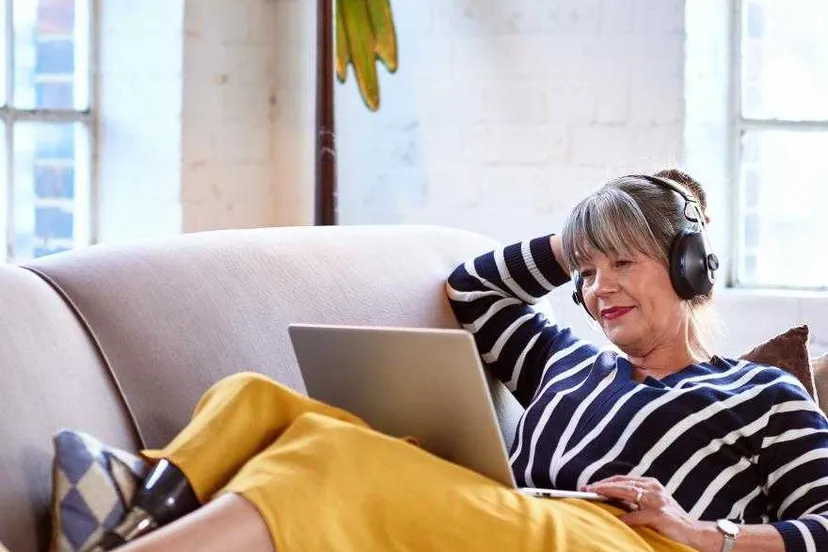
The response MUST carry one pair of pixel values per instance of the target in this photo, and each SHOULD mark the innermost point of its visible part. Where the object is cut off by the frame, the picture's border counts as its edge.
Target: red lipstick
(615, 312)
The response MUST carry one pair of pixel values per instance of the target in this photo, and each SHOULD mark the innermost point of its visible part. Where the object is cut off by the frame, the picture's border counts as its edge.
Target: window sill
(738, 293)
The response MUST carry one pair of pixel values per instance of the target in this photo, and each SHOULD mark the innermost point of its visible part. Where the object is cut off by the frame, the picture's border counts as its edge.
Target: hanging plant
(365, 33)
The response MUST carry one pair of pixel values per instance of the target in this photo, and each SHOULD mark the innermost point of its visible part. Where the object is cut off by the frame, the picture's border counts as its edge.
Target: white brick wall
(527, 104)
(228, 172)
(530, 91)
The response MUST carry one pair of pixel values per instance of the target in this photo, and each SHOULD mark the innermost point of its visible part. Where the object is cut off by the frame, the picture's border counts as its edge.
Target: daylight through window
(782, 128)
(45, 92)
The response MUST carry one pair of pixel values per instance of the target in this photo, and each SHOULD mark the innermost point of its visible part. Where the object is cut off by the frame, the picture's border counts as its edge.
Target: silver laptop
(425, 383)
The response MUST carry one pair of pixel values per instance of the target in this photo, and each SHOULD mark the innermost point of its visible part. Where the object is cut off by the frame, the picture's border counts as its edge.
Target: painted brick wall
(525, 106)
(247, 113)
(503, 114)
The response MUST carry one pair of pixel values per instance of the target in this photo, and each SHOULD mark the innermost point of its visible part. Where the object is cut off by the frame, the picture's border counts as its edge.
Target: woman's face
(633, 301)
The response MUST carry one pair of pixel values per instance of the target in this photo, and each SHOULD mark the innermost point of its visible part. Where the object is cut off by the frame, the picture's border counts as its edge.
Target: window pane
(783, 223)
(51, 188)
(51, 54)
(785, 59)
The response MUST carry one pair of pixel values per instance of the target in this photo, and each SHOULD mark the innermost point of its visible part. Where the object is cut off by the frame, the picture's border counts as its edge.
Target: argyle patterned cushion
(92, 486)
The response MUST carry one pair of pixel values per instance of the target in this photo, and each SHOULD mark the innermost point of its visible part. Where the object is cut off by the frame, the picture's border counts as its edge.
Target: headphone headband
(688, 197)
(666, 183)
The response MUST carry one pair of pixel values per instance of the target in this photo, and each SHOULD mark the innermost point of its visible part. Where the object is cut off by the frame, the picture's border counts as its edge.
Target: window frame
(11, 115)
(738, 125)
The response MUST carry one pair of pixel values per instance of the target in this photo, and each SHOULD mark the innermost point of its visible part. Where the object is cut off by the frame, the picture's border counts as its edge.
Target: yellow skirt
(324, 481)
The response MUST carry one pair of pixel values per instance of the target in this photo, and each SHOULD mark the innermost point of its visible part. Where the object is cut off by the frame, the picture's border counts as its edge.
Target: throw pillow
(819, 366)
(788, 351)
(92, 485)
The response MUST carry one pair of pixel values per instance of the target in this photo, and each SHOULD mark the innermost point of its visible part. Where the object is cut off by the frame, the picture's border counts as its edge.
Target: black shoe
(165, 496)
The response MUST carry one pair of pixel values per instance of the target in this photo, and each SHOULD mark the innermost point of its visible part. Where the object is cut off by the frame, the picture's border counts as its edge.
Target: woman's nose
(605, 282)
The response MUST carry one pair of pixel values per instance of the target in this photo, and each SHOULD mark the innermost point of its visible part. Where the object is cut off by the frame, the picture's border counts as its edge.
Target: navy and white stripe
(728, 439)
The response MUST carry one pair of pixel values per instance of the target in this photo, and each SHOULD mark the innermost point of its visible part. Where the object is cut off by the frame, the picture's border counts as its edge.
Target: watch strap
(729, 541)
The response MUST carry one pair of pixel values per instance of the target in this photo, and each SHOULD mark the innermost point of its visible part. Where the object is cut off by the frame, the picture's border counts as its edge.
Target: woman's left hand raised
(651, 506)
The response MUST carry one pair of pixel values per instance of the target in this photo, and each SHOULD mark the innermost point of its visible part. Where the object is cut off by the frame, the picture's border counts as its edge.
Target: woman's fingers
(609, 479)
(623, 490)
(631, 478)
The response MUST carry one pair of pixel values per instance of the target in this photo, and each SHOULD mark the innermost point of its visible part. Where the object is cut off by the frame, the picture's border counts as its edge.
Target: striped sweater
(728, 439)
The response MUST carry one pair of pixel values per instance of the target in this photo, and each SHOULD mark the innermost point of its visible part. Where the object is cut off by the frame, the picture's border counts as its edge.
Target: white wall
(138, 102)
(246, 141)
(503, 114)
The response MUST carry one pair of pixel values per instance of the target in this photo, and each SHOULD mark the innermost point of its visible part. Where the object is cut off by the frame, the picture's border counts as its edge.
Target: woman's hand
(652, 506)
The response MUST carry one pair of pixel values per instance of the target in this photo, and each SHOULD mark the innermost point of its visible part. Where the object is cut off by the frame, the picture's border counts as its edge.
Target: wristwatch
(729, 530)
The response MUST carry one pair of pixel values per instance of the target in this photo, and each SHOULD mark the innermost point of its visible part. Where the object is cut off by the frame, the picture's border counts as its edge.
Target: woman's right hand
(557, 249)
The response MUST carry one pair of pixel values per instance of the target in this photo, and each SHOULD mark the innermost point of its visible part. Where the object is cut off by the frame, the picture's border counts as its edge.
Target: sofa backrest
(51, 377)
(174, 316)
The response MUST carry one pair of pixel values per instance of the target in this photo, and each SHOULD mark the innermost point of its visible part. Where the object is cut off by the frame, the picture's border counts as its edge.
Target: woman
(684, 437)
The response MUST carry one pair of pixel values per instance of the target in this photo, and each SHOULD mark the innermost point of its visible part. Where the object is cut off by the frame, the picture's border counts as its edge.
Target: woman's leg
(229, 523)
(236, 419)
(327, 485)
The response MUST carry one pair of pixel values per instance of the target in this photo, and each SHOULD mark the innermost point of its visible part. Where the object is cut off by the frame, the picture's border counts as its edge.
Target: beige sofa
(120, 341)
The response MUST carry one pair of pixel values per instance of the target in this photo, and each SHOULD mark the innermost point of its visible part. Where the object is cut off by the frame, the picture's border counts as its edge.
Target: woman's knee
(342, 444)
(247, 384)
(244, 380)
(336, 436)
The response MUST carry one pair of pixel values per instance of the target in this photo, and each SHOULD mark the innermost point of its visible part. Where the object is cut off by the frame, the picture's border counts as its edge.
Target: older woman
(681, 433)
(690, 441)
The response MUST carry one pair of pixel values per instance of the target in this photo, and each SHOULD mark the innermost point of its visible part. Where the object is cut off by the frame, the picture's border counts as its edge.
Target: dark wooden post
(325, 199)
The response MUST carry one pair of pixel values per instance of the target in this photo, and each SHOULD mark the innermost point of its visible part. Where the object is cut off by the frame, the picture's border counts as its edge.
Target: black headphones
(692, 265)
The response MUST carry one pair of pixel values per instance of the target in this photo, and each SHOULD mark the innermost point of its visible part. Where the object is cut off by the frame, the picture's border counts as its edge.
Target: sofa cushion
(819, 367)
(93, 485)
(789, 351)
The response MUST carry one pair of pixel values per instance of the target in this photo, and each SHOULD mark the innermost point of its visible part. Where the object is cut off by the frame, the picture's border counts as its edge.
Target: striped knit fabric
(728, 439)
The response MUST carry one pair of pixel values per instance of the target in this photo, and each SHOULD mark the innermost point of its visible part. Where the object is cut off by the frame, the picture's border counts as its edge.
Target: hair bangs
(611, 222)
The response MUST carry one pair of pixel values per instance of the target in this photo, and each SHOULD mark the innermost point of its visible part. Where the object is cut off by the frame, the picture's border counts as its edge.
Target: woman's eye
(623, 263)
(586, 274)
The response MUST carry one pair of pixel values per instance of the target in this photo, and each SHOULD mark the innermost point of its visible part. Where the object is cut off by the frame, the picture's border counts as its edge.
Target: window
(45, 196)
(781, 150)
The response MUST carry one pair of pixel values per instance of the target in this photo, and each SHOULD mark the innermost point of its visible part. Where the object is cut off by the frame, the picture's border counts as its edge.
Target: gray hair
(631, 215)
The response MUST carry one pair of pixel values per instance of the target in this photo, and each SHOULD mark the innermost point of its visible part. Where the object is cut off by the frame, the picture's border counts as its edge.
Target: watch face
(728, 527)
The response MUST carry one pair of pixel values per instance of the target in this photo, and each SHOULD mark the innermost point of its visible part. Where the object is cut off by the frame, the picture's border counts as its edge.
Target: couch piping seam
(85, 323)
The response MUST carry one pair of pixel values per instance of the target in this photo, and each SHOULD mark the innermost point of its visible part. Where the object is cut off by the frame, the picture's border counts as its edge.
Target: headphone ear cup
(688, 265)
(576, 294)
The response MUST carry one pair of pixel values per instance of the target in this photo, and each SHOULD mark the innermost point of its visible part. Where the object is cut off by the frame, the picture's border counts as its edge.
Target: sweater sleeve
(493, 295)
(794, 462)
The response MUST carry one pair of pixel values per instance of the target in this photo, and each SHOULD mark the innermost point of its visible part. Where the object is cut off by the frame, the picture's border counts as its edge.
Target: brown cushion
(819, 366)
(788, 351)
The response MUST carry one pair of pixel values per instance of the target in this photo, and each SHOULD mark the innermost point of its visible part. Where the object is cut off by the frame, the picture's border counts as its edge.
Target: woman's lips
(612, 314)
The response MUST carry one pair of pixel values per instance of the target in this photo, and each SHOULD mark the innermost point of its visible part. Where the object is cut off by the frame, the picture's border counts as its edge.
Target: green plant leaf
(365, 33)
